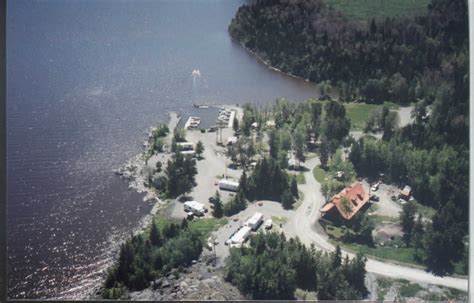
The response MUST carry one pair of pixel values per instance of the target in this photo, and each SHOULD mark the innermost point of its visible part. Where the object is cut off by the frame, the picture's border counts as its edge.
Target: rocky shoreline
(201, 281)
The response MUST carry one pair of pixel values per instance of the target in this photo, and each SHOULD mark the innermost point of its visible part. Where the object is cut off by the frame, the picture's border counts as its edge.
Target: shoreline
(266, 63)
(130, 172)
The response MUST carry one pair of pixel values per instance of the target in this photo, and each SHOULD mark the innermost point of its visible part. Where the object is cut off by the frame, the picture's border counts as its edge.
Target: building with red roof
(346, 203)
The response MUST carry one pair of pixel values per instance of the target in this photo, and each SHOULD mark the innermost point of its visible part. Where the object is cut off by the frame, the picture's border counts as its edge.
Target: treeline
(308, 38)
(273, 267)
(148, 256)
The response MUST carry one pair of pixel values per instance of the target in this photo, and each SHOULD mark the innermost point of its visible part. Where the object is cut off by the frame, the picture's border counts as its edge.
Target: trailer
(255, 221)
(194, 207)
(228, 185)
(241, 236)
(185, 145)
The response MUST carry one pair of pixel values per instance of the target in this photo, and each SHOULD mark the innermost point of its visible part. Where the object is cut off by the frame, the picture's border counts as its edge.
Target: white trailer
(255, 221)
(194, 207)
(185, 145)
(228, 185)
(241, 235)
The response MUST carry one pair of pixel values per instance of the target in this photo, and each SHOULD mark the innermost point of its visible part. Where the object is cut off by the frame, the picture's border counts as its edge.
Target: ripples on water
(84, 80)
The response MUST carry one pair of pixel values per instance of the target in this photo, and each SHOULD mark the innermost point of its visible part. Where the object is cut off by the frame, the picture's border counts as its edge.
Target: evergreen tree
(417, 237)
(273, 144)
(155, 235)
(337, 258)
(199, 148)
(287, 199)
(184, 224)
(444, 240)
(324, 152)
(235, 124)
(407, 218)
(243, 183)
(218, 211)
(294, 187)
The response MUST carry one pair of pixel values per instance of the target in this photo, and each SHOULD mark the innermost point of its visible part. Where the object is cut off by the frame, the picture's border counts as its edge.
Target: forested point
(397, 59)
(150, 255)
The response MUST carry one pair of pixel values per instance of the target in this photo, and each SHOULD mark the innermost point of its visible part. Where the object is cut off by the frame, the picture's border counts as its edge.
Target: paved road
(304, 225)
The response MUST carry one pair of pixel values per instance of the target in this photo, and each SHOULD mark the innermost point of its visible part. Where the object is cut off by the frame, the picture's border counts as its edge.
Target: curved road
(304, 225)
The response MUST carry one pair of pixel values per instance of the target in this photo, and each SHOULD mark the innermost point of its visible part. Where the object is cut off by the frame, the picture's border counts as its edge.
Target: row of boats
(224, 115)
(193, 122)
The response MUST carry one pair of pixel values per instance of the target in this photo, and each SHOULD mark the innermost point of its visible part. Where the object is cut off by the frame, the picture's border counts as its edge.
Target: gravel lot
(386, 207)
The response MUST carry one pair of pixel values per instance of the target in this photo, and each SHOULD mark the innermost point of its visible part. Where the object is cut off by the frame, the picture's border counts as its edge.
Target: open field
(319, 174)
(359, 112)
(365, 9)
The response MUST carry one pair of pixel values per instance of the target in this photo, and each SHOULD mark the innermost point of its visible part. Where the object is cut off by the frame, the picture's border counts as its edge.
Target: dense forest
(272, 267)
(421, 59)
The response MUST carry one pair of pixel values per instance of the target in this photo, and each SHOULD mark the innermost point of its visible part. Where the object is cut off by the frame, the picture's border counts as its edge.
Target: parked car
(401, 201)
(375, 198)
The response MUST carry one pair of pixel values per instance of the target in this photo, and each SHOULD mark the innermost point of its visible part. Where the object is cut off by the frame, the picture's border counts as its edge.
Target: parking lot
(386, 207)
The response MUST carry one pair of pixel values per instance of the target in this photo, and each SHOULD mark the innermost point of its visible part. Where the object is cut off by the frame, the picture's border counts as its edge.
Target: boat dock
(193, 122)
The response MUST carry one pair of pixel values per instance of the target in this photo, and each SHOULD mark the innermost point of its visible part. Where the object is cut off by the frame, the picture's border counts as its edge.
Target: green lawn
(300, 179)
(319, 174)
(401, 254)
(279, 220)
(365, 9)
(425, 211)
(359, 112)
(208, 225)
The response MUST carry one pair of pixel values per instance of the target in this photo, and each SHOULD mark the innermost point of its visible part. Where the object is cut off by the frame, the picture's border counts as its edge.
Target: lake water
(85, 79)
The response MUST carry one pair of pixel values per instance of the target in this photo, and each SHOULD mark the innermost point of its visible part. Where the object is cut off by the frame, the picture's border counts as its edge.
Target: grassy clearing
(279, 220)
(300, 179)
(365, 9)
(208, 225)
(401, 254)
(409, 290)
(359, 112)
(319, 174)
(425, 211)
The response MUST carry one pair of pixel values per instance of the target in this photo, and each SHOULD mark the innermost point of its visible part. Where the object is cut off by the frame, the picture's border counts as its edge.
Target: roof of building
(406, 191)
(229, 182)
(357, 197)
(254, 219)
(241, 235)
(195, 205)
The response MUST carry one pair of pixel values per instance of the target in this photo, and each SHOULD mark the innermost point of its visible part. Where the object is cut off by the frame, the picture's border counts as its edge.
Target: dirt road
(304, 225)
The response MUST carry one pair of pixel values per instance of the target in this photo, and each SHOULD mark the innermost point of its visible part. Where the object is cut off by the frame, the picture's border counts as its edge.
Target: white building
(255, 221)
(228, 185)
(194, 207)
